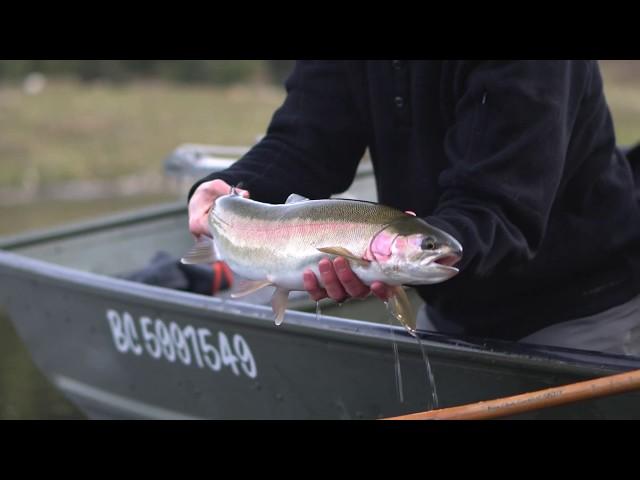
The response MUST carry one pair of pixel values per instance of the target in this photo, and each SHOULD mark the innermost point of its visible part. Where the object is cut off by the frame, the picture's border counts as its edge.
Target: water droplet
(430, 377)
(396, 356)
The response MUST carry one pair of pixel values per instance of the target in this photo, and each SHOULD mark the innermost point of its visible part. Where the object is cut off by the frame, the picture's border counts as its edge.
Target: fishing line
(430, 378)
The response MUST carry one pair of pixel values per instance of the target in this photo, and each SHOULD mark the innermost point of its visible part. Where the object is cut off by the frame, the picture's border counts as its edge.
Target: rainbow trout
(274, 244)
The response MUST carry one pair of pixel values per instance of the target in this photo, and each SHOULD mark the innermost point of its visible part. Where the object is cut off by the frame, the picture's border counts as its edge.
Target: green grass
(84, 131)
(622, 89)
(87, 131)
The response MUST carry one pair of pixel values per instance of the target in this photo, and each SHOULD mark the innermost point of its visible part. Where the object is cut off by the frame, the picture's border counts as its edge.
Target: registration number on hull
(185, 344)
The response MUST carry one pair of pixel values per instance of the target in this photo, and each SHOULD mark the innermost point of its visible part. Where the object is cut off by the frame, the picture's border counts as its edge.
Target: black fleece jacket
(516, 159)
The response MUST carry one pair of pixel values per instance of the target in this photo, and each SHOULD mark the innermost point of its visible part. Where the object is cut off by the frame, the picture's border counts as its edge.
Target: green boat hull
(119, 349)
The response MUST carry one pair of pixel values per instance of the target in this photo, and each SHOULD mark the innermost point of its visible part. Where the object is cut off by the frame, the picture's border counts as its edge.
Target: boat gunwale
(107, 222)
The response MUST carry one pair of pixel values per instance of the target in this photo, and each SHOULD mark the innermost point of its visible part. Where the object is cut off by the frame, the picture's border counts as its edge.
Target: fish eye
(428, 243)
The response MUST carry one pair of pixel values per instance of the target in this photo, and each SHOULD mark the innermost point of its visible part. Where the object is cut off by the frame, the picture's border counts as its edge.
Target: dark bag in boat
(167, 271)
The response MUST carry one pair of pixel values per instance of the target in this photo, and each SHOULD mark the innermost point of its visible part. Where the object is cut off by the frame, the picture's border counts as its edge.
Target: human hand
(202, 201)
(340, 283)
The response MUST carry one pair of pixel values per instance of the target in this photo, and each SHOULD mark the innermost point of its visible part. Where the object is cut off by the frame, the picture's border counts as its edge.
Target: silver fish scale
(275, 238)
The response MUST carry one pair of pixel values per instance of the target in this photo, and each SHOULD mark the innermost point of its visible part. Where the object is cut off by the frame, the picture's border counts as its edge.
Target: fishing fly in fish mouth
(272, 245)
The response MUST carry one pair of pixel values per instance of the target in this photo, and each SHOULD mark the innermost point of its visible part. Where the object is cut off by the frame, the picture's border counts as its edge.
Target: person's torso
(587, 260)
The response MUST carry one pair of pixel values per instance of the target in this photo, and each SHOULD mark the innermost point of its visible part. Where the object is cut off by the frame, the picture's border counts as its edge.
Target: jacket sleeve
(313, 144)
(506, 149)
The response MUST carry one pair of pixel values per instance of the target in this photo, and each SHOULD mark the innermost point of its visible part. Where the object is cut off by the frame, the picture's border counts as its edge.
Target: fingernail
(324, 267)
(340, 265)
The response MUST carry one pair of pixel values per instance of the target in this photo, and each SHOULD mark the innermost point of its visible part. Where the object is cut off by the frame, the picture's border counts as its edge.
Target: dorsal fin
(295, 198)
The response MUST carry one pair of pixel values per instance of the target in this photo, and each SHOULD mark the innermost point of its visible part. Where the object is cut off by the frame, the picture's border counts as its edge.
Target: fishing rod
(527, 402)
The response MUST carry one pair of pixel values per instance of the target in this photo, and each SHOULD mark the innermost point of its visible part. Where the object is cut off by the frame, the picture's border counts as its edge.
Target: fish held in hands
(272, 245)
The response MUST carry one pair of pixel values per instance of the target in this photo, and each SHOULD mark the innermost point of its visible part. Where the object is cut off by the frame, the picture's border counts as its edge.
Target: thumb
(244, 193)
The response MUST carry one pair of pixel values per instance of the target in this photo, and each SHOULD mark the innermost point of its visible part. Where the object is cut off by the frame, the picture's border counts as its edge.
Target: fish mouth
(447, 260)
(435, 273)
(446, 269)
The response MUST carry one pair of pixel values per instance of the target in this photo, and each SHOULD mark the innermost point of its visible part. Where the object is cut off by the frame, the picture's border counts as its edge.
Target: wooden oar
(527, 402)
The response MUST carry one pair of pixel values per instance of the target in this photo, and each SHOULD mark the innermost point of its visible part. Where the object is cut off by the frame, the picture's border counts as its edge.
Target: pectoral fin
(402, 309)
(247, 287)
(279, 303)
(202, 252)
(343, 252)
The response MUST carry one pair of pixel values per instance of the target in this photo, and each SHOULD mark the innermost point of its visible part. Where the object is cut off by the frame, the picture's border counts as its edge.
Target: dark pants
(616, 330)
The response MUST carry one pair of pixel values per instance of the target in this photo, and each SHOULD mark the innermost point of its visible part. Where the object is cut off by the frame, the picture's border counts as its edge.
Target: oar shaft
(527, 402)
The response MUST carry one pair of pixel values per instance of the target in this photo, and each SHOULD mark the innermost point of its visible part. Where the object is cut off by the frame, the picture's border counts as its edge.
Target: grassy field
(88, 131)
(622, 89)
(81, 131)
